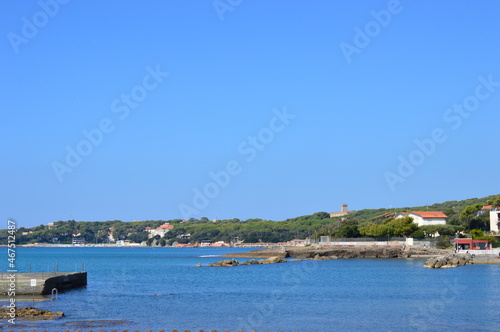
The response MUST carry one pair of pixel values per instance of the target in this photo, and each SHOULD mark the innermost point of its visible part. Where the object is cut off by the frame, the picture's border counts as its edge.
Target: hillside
(230, 230)
(453, 205)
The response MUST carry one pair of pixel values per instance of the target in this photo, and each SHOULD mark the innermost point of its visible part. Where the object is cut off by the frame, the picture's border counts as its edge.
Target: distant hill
(203, 229)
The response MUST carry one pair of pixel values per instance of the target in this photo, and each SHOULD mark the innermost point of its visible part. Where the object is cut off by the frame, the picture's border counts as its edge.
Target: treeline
(461, 217)
(249, 231)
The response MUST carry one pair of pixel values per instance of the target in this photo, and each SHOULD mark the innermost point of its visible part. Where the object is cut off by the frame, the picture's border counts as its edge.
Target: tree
(482, 221)
(349, 231)
(393, 227)
(139, 237)
(430, 230)
(478, 234)
(494, 202)
(320, 215)
(449, 212)
(418, 234)
(469, 213)
(403, 226)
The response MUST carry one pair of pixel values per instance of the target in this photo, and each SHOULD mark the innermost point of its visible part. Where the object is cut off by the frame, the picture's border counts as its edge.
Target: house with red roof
(161, 231)
(424, 218)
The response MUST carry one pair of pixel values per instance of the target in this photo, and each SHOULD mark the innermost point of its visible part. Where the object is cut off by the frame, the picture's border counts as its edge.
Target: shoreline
(360, 252)
(341, 252)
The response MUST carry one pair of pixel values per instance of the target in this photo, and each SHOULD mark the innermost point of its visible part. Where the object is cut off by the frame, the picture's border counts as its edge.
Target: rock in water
(430, 263)
(225, 263)
(276, 259)
(448, 261)
(30, 313)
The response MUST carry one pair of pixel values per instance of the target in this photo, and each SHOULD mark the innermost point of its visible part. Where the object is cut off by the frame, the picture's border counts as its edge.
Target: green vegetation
(392, 227)
(479, 235)
(463, 215)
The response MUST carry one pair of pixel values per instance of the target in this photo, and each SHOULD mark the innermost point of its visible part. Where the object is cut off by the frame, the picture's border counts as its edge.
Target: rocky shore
(340, 252)
(449, 261)
(30, 313)
(233, 262)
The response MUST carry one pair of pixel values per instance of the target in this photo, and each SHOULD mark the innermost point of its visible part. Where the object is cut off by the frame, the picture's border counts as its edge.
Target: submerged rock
(250, 262)
(233, 262)
(273, 260)
(225, 263)
(30, 313)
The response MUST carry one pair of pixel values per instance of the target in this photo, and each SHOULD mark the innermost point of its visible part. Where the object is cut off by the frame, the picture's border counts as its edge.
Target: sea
(161, 289)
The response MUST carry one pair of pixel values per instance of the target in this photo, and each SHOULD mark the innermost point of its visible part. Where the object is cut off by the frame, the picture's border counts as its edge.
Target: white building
(424, 218)
(161, 231)
(494, 219)
(300, 242)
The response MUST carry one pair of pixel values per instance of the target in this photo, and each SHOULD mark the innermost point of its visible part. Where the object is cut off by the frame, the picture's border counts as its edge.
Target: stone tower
(343, 208)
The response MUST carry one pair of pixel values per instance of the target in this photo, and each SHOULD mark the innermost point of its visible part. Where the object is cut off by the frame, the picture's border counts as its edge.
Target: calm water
(338, 295)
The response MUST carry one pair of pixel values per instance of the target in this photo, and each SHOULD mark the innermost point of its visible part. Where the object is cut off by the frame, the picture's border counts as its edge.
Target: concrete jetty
(486, 259)
(45, 282)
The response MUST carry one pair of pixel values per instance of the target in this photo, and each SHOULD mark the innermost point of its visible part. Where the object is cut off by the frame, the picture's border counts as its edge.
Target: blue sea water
(336, 295)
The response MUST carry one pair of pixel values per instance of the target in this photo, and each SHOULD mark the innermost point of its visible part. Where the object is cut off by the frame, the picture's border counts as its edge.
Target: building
(161, 231)
(343, 211)
(184, 236)
(220, 244)
(425, 218)
(484, 209)
(384, 216)
(299, 242)
(78, 241)
(494, 219)
(111, 238)
(470, 244)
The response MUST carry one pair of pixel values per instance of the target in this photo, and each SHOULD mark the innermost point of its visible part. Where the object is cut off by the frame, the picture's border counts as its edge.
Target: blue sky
(244, 109)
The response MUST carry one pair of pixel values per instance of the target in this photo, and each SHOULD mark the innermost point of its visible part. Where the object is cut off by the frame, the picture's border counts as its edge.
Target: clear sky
(140, 110)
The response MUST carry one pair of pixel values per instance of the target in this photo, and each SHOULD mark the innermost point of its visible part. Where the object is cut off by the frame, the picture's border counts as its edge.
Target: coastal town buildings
(425, 218)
